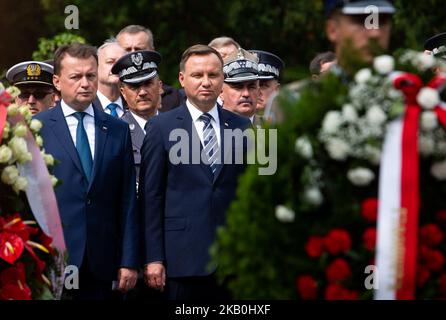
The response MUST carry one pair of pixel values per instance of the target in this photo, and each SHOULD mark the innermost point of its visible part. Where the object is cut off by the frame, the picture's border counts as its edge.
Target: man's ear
(161, 90)
(56, 82)
(332, 30)
(181, 78)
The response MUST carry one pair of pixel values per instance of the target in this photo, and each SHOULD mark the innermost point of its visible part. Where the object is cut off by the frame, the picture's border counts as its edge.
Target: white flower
(6, 130)
(284, 214)
(13, 91)
(5, 154)
(313, 195)
(331, 122)
(13, 109)
(35, 125)
(424, 61)
(19, 149)
(337, 149)
(429, 120)
(426, 145)
(441, 145)
(363, 75)
(438, 170)
(360, 176)
(304, 148)
(384, 64)
(53, 180)
(39, 141)
(2, 87)
(375, 116)
(428, 98)
(20, 184)
(19, 130)
(349, 113)
(49, 160)
(26, 112)
(374, 154)
(10, 175)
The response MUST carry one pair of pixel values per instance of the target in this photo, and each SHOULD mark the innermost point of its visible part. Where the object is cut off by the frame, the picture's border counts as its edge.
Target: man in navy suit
(97, 197)
(184, 202)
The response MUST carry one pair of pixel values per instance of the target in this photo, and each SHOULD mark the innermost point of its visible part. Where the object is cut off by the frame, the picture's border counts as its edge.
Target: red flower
(369, 209)
(369, 238)
(11, 247)
(338, 270)
(307, 287)
(442, 284)
(431, 258)
(423, 275)
(315, 247)
(337, 241)
(13, 284)
(431, 234)
(335, 291)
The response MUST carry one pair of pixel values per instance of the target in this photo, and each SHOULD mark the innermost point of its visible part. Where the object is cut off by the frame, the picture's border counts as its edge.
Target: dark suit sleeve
(152, 190)
(131, 236)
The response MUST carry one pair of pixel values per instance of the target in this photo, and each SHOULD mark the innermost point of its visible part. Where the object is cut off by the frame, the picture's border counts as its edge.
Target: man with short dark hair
(34, 79)
(97, 197)
(321, 63)
(184, 202)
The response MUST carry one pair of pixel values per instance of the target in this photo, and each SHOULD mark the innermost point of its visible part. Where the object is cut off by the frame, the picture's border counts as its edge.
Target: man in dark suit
(184, 201)
(141, 88)
(97, 197)
(136, 37)
(108, 96)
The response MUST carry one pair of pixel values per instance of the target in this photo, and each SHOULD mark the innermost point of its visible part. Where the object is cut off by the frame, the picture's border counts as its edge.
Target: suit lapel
(62, 133)
(224, 124)
(136, 132)
(101, 132)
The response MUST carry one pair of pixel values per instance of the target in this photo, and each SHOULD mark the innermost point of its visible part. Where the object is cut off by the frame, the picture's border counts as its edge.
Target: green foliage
(47, 47)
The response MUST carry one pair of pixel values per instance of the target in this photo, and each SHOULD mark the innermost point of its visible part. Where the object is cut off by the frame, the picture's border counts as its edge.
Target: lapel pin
(226, 124)
(104, 128)
(131, 126)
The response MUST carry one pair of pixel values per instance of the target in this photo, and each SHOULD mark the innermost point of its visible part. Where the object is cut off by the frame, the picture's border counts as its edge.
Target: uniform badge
(137, 59)
(131, 126)
(33, 70)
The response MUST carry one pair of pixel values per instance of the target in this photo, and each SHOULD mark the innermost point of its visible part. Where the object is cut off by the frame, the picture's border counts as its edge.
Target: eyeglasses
(24, 95)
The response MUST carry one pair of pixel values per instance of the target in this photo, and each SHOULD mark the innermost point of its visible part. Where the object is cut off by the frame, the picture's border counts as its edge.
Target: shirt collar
(141, 121)
(196, 113)
(68, 111)
(105, 101)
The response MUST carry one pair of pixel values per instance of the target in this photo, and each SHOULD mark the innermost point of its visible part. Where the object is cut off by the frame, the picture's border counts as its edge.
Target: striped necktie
(210, 142)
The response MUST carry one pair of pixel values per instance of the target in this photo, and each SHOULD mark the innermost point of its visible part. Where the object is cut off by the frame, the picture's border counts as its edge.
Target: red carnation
(307, 287)
(335, 291)
(431, 234)
(315, 247)
(442, 284)
(338, 270)
(337, 241)
(369, 238)
(369, 209)
(423, 275)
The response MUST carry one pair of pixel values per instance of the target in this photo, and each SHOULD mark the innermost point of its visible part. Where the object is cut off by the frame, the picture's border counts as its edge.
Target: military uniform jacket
(137, 135)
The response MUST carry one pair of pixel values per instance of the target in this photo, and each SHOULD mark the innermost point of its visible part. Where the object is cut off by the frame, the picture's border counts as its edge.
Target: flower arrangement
(310, 231)
(26, 252)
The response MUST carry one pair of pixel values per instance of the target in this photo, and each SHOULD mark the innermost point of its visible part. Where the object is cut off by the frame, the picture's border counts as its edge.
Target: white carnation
(337, 149)
(349, 113)
(39, 141)
(375, 116)
(314, 196)
(19, 149)
(53, 180)
(363, 75)
(19, 130)
(13, 109)
(384, 64)
(304, 148)
(284, 214)
(26, 112)
(35, 125)
(438, 170)
(6, 130)
(5, 154)
(374, 154)
(360, 176)
(429, 120)
(331, 122)
(428, 98)
(425, 61)
(10, 175)
(426, 145)
(13, 91)
(20, 184)
(49, 160)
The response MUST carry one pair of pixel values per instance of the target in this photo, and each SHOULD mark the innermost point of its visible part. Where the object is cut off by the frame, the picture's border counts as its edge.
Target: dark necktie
(112, 107)
(82, 145)
(210, 141)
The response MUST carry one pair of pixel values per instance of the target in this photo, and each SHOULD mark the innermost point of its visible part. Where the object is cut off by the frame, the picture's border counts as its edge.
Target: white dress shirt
(199, 124)
(88, 124)
(105, 102)
(141, 121)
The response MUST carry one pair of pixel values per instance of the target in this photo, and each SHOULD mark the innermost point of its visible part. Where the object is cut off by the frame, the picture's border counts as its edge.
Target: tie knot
(79, 115)
(112, 106)
(206, 118)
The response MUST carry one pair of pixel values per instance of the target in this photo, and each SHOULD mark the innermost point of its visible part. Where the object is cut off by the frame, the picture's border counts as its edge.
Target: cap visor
(242, 78)
(32, 82)
(384, 7)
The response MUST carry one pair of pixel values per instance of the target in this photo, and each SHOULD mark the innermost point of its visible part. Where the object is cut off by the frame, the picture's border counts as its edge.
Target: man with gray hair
(224, 46)
(108, 96)
(136, 37)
